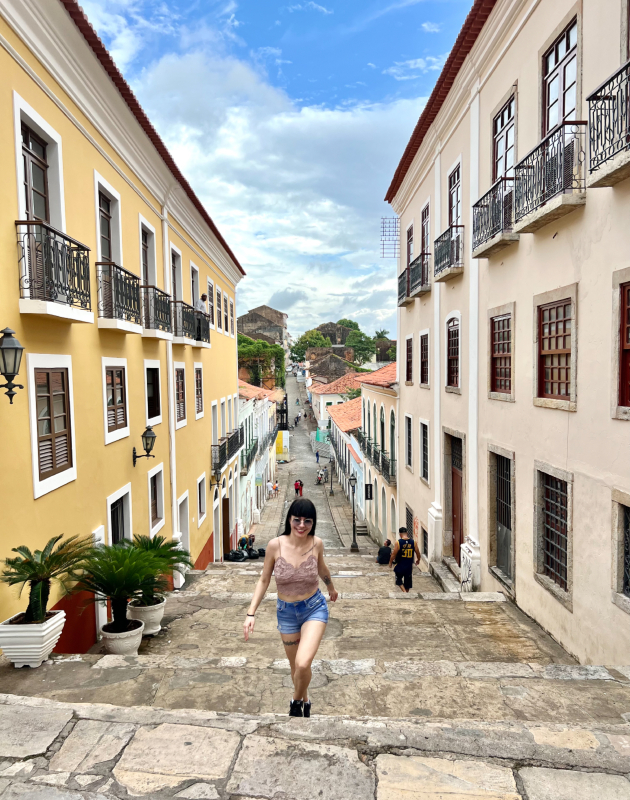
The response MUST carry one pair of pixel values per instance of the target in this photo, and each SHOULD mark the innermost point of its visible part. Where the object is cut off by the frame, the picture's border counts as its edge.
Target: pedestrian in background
(384, 553)
(402, 554)
(317, 456)
(296, 486)
(301, 487)
(270, 489)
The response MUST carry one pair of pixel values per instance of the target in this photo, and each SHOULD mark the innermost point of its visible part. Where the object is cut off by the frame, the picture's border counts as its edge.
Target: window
(198, 392)
(424, 444)
(409, 520)
(117, 520)
(153, 394)
(408, 443)
(452, 370)
(194, 284)
(175, 275)
(424, 359)
(621, 549)
(201, 499)
(219, 315)
(554, 533)
(409, 244)
(624, 356)
(119, 515)
(145, 257)
(554, 350)
(426, 231)
(116, 398)
(454, 197)
(211, 301)
(105, 226)
(503, 141)
(35, 165)
(54, 447)
(392, 438)
(231, 317)
(425, 543)
(180, 393)
(501, 367)
(225, 312)
(560, 79)
(409, 360)
(156, 510)
(504, 514)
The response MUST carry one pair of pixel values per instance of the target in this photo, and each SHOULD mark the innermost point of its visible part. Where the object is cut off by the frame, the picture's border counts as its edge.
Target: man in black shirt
(403, 554)
(384, 553)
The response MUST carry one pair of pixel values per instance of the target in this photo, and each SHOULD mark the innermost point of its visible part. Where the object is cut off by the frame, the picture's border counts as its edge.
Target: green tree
(263, 360)
(391, 353)
(363, 346)
(349, 323)
(381, 334)
(306, 340)
(352, 394)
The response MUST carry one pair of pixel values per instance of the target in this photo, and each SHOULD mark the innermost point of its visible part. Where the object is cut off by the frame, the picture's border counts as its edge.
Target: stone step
(444, 577)
(453, 567)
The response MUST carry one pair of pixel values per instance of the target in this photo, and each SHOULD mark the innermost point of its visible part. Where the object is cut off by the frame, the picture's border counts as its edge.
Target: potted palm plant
(121, 574)
(28, 638)
(149, 607)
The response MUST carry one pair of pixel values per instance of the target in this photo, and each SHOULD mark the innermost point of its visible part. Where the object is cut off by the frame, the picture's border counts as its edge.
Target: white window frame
(23, 112)
(101, 185)
(146, 225)
(218, 292)
(232, 316)
(202, 513)
(127, 507)
(215, 427)
(152, 364)
(409, 456)
(425, 332)
(194, 268)
(458, 316)
(40, 361)
(408, 383)
(223, 418)
(209, 283)
(426, 205)
(159, 470)
(119, 433)
(426, 480)
(180, 365)
(410, 225)
(198, 365)
(180, 277)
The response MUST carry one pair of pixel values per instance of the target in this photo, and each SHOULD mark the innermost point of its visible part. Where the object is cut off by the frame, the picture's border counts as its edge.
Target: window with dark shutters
(116, 400)
(211, 302)
(424, 359)
(232, 317)
(153, 392)
(219, 315)
(501, 369)
(180, 394)
(424, 433)
(198, 390)
(225, 312)
(554, 350)
(452, 377)
(105, 226)
(54, 444)
(155, 510)
(624, 371)
(409, 361)
(35, 175)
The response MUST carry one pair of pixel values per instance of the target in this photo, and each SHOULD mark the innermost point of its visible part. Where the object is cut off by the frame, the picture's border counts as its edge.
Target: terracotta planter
(30, 645)
(123, 644)
(150, 615)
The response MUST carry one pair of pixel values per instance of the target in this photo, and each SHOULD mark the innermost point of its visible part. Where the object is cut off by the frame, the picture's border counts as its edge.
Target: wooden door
(457, 512)
(225, 517)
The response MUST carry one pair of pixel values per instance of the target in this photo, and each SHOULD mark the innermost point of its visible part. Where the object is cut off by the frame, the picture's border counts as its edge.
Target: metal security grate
(390, 237)
(626, 551)
(555, 529)
(425, 543)
(425, 450)
(409, 520)
(504, 515)
(456, 452)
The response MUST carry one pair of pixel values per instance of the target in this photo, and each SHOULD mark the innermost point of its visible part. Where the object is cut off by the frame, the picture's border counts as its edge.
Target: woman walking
(296, 557)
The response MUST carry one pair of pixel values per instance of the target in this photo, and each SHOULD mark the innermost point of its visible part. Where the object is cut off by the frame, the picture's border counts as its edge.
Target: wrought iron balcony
(184, 326)
(248, 456)
(609, 130)
(550, 176)
(388, 468)
(282, 418)
(362, 440)
(419, 280)
(376, 456)
(493, 219)
(156, 309)
(118, 293)
(53, 267)
(219, 455)
(404, 288)
(368, 448)
(234, 443)
(202, 327)
(448, 253)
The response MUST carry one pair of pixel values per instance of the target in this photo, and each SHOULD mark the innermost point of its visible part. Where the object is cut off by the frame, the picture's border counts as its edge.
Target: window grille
(456, 453)
(425, 543)
(390, 237)
(409, 364)
(424, 432)
(424, 359)
(624, 371)
(554, 350)
(453, 353)
(504, 515)
(409, 520)
(502, 354)
(555, 534)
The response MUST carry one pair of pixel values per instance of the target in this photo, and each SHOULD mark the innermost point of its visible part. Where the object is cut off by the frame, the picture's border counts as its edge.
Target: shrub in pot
(150, 606)
(121, 574)
(28, 638)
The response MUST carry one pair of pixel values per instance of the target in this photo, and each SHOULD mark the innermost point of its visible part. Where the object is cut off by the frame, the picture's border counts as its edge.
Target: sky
(289, 119)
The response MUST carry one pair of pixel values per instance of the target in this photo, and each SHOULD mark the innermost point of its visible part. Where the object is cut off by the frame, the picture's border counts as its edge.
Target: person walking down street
(301, 487)
(296, 558)
(297, 401)
(296, 486)
(269, 489)
(317, 456)
(275, 489)
(384, 553)
(402, 555)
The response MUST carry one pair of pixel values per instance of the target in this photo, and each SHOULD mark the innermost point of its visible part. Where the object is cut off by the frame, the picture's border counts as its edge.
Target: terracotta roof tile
(341, 385)
(346, 416)
(385, 376)
(353, 454)
(248, 392)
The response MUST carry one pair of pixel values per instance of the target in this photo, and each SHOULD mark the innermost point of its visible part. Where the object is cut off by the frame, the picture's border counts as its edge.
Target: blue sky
(289, 120)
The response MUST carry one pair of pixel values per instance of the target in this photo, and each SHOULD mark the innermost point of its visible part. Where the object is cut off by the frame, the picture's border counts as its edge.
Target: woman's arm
(261, 588)
(324, 572)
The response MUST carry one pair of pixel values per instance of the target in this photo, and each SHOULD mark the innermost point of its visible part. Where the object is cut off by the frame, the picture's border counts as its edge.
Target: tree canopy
(263, 360)
(309, 339)
(349, 323)
(381, 334)
(352, 394)
(363, 346)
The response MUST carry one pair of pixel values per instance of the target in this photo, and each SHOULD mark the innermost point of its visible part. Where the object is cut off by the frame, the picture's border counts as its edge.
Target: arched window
(392, 518)
(383, 439)
(392, 435)
(368, 423)
(384, 513)
(374, 423)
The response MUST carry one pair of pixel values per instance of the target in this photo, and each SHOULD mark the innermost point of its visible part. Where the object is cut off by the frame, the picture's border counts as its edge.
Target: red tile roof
(353, 454)
(385, 376)
(472, 27)
(249, 392)
(346, 416)
(78, 16)
(340, 386)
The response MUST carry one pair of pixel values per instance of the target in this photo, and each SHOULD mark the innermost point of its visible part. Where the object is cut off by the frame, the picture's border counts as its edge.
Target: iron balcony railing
(202, 327)
(403, 286)
(282, 418)
(494, 212)
(368, 448)
(388, 468)
(419, 273)
(362, 439)
(234, 443)
(376, 456)
(449, 249)
(555, 166)
(609, 118)
(219, 455)
(156, 309)
(52, 266)
(118, 292)
(183, 320)
(248, 455)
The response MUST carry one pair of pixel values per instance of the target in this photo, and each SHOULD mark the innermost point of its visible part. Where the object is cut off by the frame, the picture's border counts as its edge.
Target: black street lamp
(354, 547)
(10, 358)
(148, 440)
(331, 461)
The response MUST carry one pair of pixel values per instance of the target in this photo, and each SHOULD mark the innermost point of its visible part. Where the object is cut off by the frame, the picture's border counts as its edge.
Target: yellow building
(103, 291)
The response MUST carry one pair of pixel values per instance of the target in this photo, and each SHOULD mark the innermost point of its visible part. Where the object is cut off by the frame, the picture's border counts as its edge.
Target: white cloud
(371, 65)
(309, 6)
(414, 67)
(431, 27)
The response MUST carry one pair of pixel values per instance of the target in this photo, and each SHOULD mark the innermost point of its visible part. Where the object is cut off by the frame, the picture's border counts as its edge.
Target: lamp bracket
(11, 386)
(136, 456)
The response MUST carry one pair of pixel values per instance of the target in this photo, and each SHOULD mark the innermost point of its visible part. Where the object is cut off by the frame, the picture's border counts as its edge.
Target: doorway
(216, 529)
(504, 515)
(457, 496)
(225, 513)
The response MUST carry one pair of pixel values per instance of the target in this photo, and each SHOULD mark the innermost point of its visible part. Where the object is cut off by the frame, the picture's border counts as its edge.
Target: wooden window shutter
(198, 390)
(180, 394)
(554, 350)
(116, 399)
(624, 366)
(409, 365)
(54, 443)
(219, 315)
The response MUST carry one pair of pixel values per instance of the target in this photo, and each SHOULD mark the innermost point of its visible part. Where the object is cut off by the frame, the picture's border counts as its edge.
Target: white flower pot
(123, 644)
(30, 645)
(150, 615)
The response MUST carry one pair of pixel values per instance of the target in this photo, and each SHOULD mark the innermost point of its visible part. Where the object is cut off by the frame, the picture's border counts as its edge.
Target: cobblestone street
(427, 696)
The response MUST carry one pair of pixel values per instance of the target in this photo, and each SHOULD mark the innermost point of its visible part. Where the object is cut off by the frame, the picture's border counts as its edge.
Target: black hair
(302, 507)
(403, 530)
(386, 543)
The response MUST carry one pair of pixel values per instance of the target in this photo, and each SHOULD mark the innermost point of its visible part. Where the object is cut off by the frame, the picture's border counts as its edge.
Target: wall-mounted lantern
(148, 440)
(10, 358)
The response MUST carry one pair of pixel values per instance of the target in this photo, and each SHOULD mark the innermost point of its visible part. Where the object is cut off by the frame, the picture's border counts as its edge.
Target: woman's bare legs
(301, 649)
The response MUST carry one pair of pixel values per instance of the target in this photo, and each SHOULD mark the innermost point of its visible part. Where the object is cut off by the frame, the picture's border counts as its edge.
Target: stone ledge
(495, 244)
(555, 208)
(447, 274)
(612, 172)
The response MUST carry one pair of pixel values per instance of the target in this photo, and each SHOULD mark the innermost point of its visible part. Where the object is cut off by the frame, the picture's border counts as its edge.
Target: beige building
(514, 316)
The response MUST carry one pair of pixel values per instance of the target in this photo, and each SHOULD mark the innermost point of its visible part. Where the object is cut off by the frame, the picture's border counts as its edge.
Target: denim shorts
(291, 616)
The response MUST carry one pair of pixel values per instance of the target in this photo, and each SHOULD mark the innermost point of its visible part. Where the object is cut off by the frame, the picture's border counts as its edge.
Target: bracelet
(251, 615)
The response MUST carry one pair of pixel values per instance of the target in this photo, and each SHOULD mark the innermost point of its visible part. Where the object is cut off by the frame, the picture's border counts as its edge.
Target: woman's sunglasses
(301, 520)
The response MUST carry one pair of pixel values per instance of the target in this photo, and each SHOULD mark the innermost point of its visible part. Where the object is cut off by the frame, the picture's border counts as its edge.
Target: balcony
(419, 275)
(156, 313)
(493, 219)
(388, 469)
(550, 180)
(233, 443)
(376, 457)
(404, 288)
(448, 259)
(184, 324)
(54, 273)
(362, 440)
(248, 456)
(220, 455)
(202, 329)
(609, 130)
(118, 298)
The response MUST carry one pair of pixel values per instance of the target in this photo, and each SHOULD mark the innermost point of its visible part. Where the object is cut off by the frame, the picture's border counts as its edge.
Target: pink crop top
(296, 581)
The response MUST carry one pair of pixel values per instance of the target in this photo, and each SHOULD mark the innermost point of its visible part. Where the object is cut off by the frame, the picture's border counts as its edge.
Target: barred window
(408, 442)
(425, 543)
(424, 359)
(409, 520)
(180, 394)
(198, 390)
(452, 378)
(624, 371)
(211, 302)
(426, 231)
(501, 369)
(424, 442)
(409, 244)
(409, 364)
(554, 350)
(554, 533)
(53, 421)
(116, 400)
(626, 550)
(219, 315)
